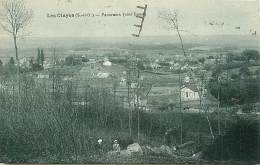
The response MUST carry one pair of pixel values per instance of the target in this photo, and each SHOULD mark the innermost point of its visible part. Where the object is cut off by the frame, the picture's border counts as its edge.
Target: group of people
(169, 139)
(100, 146)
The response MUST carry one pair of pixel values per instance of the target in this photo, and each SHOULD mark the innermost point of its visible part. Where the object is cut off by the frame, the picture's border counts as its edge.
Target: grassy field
(161, 80)
(252, 69)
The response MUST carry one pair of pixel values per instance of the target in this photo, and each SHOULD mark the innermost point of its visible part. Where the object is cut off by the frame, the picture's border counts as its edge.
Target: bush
(118, 60)
(47, 126)
(240, 143)
(69, 60)
(247, 108)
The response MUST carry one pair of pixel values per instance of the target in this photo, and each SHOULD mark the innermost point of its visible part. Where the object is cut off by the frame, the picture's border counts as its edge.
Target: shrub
(240, 143)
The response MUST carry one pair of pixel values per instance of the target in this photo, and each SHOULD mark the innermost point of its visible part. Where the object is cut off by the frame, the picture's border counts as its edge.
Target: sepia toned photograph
(130, 81)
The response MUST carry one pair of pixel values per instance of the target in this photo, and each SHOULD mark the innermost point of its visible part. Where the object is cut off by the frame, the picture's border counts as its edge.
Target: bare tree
(171, 17)
(14, 18)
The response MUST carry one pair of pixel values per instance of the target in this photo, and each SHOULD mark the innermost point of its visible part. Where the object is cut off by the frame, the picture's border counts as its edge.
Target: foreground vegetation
(44, 125)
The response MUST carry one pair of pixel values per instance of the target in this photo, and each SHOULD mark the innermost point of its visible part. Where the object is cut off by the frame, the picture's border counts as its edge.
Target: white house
(107, 62)
(172, 63)
(24, 62)
(67, 78)
(154, 66)
(47, 65)
(92, 61)
(123, 81)
(189, 93)
(185, 67)
(43, 76)
(103, 75)
(187, 79)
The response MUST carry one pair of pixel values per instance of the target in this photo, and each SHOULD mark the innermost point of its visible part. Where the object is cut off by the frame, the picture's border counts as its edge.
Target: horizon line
(130, 36)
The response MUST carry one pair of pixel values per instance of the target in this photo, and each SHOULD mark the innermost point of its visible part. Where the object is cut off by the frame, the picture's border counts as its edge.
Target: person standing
(116, 146)
(100, 146)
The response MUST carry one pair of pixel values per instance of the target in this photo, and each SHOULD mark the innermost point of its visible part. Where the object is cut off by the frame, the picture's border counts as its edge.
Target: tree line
(239, 85)
(10, 67)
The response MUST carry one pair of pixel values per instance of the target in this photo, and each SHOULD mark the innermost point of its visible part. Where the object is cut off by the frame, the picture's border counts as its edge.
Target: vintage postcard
(130, 81)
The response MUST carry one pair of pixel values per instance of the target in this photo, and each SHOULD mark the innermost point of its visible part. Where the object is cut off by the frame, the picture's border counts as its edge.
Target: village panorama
(133, 99)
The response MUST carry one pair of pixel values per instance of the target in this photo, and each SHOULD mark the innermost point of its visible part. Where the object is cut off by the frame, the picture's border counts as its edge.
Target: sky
(195, 17)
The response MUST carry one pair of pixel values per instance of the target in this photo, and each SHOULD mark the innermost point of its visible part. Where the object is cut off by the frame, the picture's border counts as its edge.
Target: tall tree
(39, 57)
(31, 64)
(11, 61)
(11, 65)
(249, 54)
(171, 17)
(14, 19)
(42, 57)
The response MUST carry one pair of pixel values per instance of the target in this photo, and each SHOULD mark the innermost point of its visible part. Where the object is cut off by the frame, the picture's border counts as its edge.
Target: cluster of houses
(175, 63)
(190, 94)
(26, 62)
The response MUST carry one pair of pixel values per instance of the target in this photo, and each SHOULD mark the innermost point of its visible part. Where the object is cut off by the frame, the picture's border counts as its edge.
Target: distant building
(92, 61)
(67, 78)
(41, 75)
(187, 79)
(189, 92)
(171, 62)
(84, 58)
(48, 65)
(185, 67)
(123, 81)
(103, 75)
(155, 66)
(107, 63)
(77, 60)
(176, 66)
(24, 62)
(193, 67)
